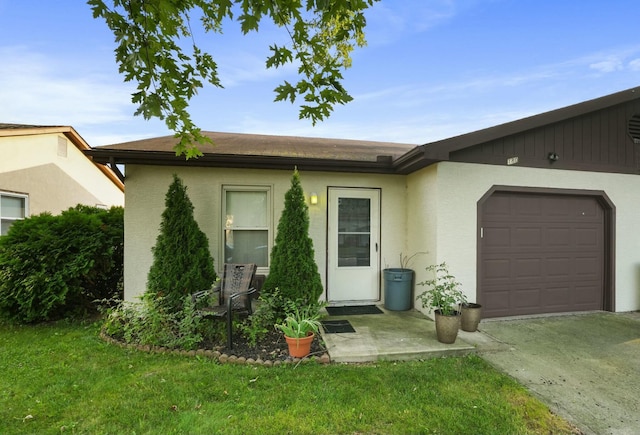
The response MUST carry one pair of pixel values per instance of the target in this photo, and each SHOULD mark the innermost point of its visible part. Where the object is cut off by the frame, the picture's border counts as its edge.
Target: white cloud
(42, 89)
(387, 23)
(634, 65)
(246, 67)
(607, 66)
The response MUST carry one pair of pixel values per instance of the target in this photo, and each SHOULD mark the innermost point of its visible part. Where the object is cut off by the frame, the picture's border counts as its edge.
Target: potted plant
(299, 330)
(471, 314)
(444, 296)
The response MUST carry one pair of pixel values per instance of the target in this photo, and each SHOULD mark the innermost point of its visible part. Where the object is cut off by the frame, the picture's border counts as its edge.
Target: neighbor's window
(246, 225)
(13, 207)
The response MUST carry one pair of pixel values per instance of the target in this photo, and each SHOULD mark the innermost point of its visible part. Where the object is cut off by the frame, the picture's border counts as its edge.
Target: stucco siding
(54, 173)
(19, 152)
(422, 220)
(147, 185)
(49, 189)
(460, 186)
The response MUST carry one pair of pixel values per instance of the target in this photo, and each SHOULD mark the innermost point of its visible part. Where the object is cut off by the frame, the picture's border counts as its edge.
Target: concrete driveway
(585, 367)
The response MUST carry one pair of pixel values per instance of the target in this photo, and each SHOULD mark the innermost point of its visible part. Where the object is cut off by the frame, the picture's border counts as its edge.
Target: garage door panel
(559, 267)
(526, 299)
(557, 207)
(588, 238)
(526, 268)
(541, 254)
(526, 207)
(587, 208)
(527, 237)
(499, 299)
(496, 269)
(557, 298)
(588, 268)
(497, 237)
(558, 236)
(587, 296)
(498, 206)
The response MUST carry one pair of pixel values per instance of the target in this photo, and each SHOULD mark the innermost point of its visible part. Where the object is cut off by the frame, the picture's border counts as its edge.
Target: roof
(441, 150)
(262, 152)
(7, 130)
(337, 155)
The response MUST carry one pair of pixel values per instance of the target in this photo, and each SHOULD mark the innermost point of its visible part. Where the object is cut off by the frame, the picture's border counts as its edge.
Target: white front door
(353, 246)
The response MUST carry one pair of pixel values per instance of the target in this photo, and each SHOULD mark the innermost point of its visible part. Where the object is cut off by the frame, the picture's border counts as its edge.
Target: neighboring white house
(538, 215)
(44, 169)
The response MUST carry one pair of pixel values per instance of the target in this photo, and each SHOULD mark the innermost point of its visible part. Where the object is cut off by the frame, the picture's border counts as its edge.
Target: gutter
(111, 157)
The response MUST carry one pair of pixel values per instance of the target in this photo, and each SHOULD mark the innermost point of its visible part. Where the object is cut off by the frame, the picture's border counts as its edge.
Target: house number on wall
(512, 160)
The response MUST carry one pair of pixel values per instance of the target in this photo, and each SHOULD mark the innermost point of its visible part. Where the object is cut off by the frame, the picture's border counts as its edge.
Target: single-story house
(539, 215)
(44, 168)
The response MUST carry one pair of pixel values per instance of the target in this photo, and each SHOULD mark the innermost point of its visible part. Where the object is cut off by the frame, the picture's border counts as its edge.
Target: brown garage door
(540, 253)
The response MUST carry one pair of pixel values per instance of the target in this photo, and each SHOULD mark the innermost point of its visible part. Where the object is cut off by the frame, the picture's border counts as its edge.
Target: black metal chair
(234, 296)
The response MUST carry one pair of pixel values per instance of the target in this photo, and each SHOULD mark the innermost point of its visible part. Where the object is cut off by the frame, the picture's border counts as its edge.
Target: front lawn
(61, 378)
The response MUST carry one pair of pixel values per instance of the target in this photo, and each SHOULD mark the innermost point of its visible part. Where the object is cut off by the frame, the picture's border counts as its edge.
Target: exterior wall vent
(62, 145)
(634, 128)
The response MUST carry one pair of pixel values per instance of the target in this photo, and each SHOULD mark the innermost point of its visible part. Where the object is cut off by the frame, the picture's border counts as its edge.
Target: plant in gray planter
(444, 296)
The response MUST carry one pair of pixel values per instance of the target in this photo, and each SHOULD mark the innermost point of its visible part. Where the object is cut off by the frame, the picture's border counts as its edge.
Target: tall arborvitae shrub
(293, 269)
(182, 263)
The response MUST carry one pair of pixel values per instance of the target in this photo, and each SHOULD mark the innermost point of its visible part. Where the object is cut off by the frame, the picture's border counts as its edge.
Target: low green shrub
(148, 322)
(53, 267)
(267, 314)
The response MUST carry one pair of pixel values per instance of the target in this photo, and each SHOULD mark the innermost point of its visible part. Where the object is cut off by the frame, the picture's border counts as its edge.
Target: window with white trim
(13, 207)
(247, 224)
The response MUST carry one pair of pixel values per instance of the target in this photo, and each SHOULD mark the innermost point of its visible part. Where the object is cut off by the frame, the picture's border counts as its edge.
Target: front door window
(354, 232)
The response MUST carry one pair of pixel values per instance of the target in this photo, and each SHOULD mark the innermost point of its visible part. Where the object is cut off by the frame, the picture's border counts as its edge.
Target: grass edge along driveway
(61, 378)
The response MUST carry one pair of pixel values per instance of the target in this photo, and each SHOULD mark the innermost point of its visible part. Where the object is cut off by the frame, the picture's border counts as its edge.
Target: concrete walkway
(585, 367)
(394, 335)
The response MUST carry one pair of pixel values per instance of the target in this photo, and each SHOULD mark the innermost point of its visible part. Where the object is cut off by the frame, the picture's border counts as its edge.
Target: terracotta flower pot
(300, 347)
(447, 327)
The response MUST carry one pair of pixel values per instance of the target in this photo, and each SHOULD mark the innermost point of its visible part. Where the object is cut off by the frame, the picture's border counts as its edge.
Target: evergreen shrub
(293, 270)
(182, 263)
(53, 267)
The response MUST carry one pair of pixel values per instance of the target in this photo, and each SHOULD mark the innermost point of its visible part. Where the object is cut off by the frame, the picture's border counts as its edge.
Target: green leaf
(150, 52)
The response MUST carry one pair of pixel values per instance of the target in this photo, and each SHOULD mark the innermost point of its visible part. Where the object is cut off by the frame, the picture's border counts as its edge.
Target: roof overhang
(382, 165)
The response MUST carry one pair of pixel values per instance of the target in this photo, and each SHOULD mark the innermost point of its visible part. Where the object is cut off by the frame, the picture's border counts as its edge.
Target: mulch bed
(273, 347)
(272, 350)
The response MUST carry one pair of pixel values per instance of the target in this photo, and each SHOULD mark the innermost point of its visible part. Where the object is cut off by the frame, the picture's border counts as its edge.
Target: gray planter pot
(447, 327)
(471, 315)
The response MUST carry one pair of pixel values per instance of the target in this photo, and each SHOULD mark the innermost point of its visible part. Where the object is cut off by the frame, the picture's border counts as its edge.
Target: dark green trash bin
(398, 284)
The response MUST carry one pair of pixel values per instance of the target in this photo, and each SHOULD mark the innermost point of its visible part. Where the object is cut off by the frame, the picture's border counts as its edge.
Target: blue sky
(432, 69)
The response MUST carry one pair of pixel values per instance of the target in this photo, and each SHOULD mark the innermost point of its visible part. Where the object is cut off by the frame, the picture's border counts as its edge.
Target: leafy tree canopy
(148, 35)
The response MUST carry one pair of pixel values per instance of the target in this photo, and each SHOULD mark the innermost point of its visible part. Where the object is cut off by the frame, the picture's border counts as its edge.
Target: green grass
(61, 378)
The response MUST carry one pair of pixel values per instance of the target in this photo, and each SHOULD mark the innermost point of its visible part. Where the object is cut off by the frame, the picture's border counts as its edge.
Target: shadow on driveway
(585, 367)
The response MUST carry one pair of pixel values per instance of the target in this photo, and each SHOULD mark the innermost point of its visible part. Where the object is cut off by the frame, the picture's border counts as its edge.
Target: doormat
(337, 326)
(353, 310)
